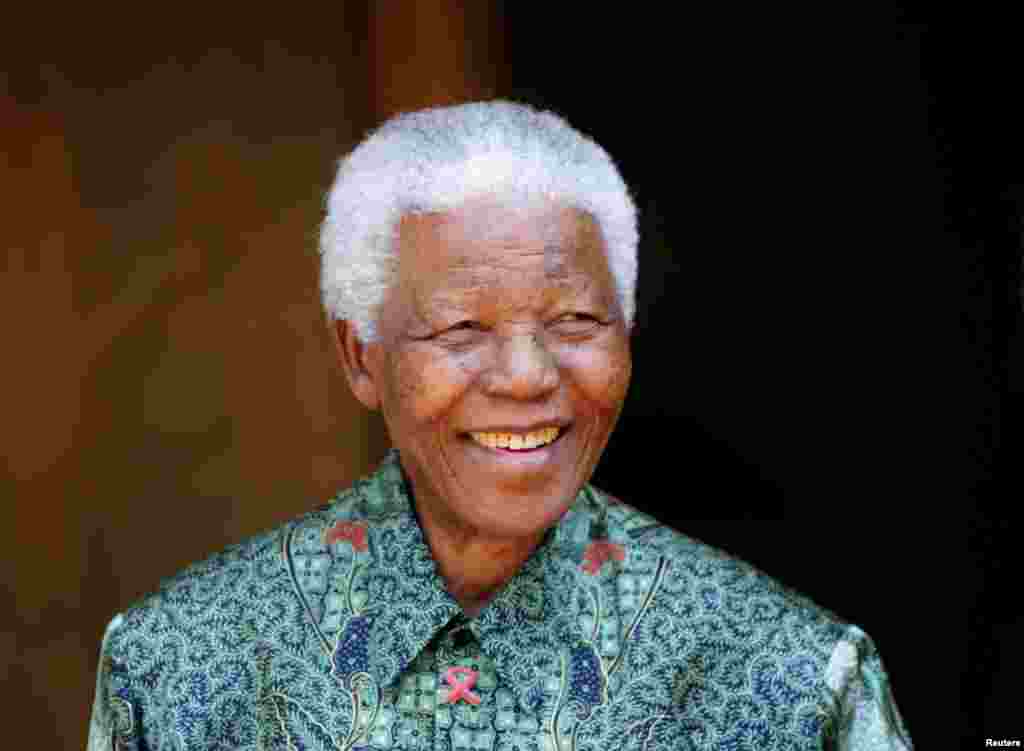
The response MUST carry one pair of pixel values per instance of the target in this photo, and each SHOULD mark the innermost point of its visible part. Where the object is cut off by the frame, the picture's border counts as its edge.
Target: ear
(357, 362)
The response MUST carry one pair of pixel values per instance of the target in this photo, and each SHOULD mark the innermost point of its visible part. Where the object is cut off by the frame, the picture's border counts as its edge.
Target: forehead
(484, 243)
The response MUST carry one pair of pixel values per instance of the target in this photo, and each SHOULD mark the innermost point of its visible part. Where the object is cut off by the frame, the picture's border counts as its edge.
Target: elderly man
(475, 591)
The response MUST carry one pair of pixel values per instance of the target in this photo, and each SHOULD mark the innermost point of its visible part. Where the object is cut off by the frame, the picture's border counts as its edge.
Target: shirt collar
(367, 578)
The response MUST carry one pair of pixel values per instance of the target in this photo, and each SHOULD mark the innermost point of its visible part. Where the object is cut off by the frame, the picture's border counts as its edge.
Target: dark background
(827, 317)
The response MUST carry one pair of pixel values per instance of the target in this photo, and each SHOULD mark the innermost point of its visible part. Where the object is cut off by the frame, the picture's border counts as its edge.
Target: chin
(502, 492)
(516, 515)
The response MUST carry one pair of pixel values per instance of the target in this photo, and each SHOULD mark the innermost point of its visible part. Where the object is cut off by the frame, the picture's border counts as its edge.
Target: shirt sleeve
(112, 725)
(867, 716)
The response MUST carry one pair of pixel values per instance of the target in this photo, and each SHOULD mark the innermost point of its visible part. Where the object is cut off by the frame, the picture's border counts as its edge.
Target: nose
(524, 369)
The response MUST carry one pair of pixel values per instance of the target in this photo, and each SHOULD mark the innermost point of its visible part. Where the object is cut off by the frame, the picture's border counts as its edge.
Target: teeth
(516, 441)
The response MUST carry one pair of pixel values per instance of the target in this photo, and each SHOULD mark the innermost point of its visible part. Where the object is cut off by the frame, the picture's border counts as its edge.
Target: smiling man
(502, 365)
(475, 591)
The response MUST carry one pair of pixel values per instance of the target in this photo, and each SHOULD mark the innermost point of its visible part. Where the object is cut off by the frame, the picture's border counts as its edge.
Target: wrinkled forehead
(562, 241)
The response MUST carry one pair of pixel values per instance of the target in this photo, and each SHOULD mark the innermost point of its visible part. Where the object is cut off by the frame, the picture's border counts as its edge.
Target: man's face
(501, 320)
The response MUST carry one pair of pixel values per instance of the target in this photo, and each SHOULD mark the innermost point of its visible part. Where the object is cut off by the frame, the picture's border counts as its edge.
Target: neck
(474, 569)
(472, 565)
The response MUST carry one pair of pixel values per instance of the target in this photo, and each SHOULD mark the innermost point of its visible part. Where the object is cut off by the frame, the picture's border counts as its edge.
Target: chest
(452, 697)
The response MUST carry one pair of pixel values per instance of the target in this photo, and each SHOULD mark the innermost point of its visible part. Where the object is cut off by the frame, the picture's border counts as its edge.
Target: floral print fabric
(336, 632)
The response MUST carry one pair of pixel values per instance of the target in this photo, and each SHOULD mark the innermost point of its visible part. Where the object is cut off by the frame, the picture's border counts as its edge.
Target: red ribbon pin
(461, 689)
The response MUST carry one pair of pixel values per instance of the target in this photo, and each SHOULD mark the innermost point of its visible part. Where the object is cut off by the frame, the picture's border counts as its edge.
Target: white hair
(436, 159)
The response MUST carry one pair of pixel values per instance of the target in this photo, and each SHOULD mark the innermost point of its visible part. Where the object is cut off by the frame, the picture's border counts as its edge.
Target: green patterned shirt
(335, 631)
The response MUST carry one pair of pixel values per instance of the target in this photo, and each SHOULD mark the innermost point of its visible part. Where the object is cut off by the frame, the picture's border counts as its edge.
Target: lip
(522, 457)
(560, 424)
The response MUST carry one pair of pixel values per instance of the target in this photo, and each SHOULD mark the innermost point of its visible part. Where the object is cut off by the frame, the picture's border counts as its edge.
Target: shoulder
(721, 604)
(221, 604)
(738, 651)
(710, 574)
(208, 635)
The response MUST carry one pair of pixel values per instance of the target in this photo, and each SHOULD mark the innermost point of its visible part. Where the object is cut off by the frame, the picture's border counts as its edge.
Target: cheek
(617, 385)
(426, 386)
(602, 376)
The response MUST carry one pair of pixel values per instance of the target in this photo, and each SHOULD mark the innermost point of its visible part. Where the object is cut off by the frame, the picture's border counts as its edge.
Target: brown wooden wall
(167, 383)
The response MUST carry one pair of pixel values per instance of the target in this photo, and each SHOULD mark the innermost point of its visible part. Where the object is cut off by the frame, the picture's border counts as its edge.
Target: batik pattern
(335, 632)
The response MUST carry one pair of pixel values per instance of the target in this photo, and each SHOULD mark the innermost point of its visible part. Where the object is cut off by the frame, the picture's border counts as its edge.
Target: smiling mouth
(518, 443)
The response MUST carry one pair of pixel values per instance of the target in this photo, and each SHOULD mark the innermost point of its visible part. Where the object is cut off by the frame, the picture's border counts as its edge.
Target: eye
(462, 327)
(576, 323)
(461, 331)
